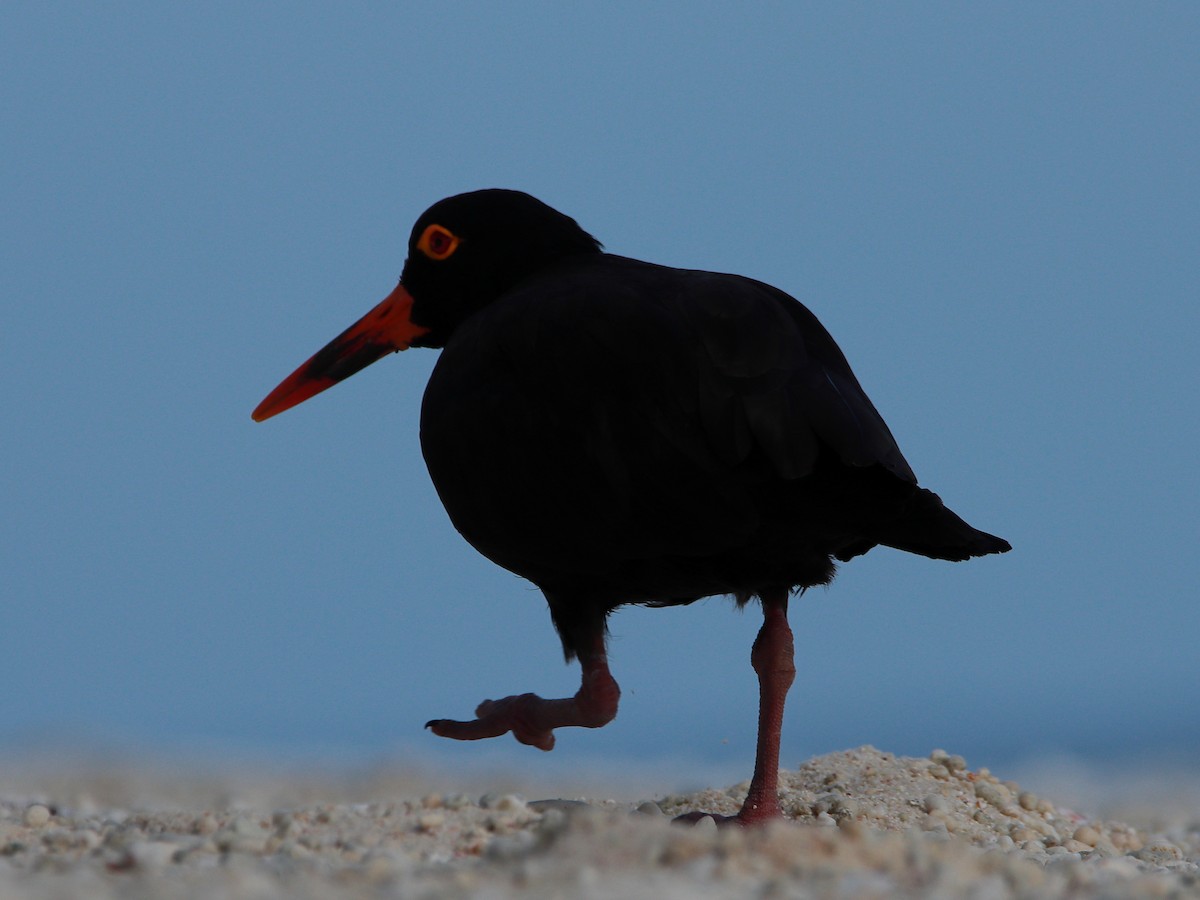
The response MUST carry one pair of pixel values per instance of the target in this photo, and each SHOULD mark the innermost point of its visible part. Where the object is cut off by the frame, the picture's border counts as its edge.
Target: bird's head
(467, 250)
(464, 252)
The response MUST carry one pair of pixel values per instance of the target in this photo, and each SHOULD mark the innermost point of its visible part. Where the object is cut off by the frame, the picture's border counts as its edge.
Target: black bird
(621, 432)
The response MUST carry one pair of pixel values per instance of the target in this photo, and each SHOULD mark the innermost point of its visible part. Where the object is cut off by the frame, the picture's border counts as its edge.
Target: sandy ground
(862, 824)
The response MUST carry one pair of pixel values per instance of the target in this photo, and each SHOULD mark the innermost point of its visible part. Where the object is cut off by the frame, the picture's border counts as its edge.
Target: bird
(619, 432)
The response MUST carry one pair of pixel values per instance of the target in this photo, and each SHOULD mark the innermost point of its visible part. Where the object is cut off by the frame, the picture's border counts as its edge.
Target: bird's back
(638, 433)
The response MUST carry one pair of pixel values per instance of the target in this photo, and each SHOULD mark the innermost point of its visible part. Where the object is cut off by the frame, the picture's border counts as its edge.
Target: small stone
(1159, 852)
(955, 763)
(153, 854)
(1027, 800)
(510, 803)
(992, 793)
(843, 807)
(431, 821)
(1126, 841)
(37, 815)
(249, 826)
(1073, 846)
(1086, 834)
(706, 826)
(939, 772)
(935, 803)
(650, 808)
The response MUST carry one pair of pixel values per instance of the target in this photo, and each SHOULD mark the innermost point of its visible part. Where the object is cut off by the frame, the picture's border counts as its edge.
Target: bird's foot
(532, 719)
(525, 715)
(753, 812)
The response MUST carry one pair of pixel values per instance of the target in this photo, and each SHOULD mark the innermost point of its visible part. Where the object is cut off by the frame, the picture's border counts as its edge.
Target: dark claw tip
(432, 722)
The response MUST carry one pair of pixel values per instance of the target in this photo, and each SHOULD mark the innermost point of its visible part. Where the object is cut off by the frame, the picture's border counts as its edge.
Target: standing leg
(773, 659)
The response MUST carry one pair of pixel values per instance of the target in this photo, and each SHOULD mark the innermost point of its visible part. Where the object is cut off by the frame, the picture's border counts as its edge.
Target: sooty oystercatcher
(622, 432)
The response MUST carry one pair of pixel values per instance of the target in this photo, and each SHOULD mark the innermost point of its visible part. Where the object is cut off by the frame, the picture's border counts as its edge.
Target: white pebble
(509, 803)
(37, 815)
(431, 821)
(995, 794)
(935, 803)
(1159, 852)
(152, 854)
(249, 826)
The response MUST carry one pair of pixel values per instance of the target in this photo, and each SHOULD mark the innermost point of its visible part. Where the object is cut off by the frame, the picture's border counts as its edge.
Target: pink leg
(532, 720)
(773, 659)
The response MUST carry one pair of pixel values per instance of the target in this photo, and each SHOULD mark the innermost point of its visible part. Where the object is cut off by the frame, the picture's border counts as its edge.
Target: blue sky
(993, 208)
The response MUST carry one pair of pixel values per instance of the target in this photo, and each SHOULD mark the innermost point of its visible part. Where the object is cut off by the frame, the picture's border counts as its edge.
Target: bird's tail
(927, 527)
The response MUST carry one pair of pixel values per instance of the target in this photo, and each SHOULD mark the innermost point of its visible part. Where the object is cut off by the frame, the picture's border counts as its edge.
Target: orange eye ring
(437, 242)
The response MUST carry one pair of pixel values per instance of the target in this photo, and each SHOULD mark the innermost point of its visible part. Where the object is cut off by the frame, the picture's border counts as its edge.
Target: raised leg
(773, 659)
(532, 720)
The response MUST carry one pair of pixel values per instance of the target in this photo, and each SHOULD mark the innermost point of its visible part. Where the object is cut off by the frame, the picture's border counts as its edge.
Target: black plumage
(622, 432)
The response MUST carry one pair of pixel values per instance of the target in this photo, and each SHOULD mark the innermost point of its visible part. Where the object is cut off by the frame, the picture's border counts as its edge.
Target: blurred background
(994, 209)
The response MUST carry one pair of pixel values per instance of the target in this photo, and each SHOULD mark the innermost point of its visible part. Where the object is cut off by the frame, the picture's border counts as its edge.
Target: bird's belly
(576, 500)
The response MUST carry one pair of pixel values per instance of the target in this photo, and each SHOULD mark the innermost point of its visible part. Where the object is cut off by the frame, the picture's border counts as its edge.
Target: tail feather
(929, 528)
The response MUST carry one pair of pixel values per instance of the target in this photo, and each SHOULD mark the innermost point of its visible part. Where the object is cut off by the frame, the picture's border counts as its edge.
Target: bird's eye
(437, 242)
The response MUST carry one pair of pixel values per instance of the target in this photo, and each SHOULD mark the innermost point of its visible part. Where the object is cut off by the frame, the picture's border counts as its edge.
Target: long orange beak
(385, 329)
